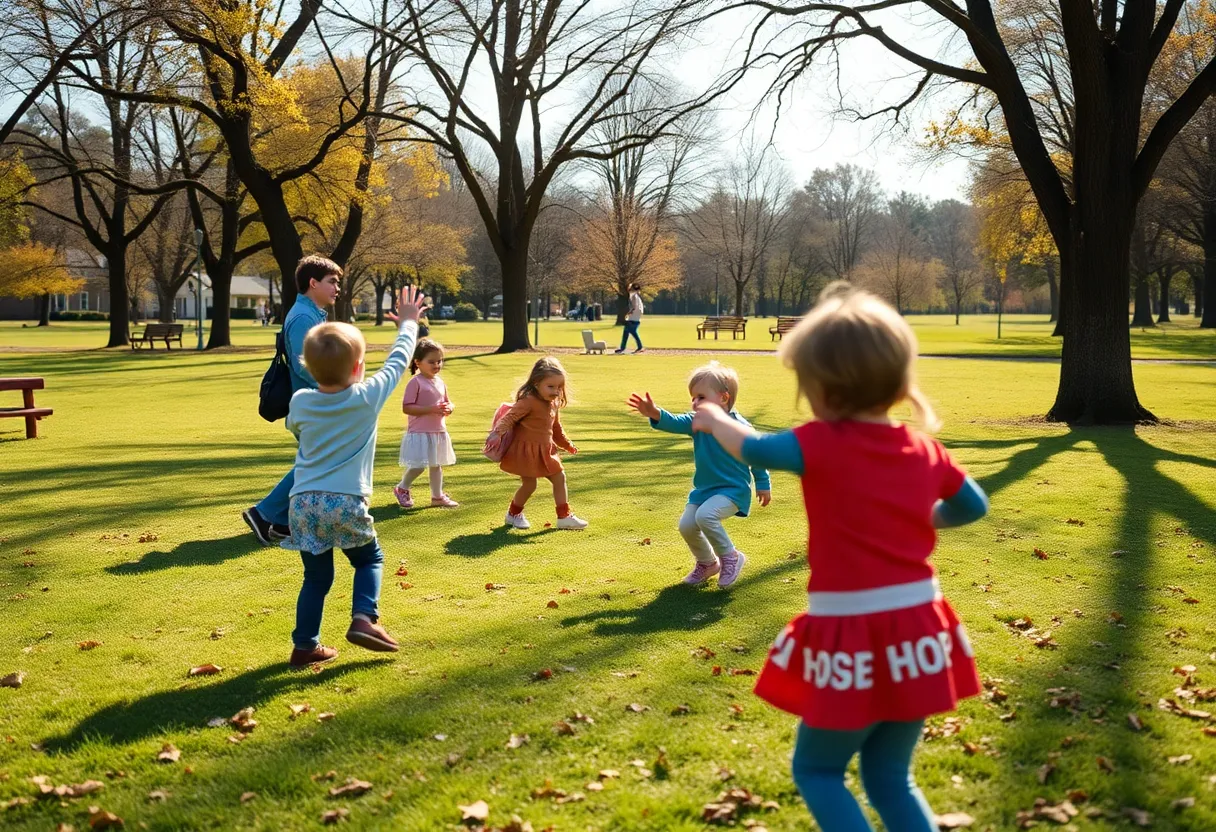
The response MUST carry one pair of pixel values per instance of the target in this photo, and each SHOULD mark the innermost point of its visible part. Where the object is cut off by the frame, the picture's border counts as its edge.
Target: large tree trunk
(1209, 266)
(739, 287)
(120, 297)
(221, 301)
(1096, 384)
(622, 307)
(1197, 281)
(166, 296)
(515, 300)
(44, 310)
(1164, 277)
(379, 287)
(1053, 290)
(1143, 314)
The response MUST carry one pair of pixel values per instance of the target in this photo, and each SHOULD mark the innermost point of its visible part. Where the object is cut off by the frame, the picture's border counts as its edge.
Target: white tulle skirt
(426, 450)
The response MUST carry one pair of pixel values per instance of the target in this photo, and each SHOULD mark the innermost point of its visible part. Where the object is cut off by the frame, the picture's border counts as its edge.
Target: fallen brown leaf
(205, 670)
(1134, 722)
(1181, 759)
(169, 753)
(1040, 554)
(1044, 772)
(1106, 765)
(325, 716)
(518, 740)
(681, 710)
(477, 812)
(248, 796)
(158, 796)
(297, 710)
(88, 645)
(563, 728)
(552, 605)
(608, 774)
(101, 819)
(353, 788)
(1182, 803)
(1138, 816)
(13, 680)
(243, 720)
(635, 708)
(954, 820)
(332, 816)
(542, 675)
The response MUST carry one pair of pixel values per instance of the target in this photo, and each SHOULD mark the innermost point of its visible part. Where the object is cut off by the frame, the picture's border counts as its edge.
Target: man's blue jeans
(368, 561)
(631, 328)
(273, 507)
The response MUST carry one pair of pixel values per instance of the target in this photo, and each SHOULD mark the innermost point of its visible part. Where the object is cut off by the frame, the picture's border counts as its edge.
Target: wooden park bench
(27, 411)
(783, 326)
(726, 323)
(158, 332)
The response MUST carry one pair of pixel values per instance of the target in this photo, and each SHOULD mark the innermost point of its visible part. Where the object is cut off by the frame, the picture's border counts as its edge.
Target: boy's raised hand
(410, 307)
(644, 405)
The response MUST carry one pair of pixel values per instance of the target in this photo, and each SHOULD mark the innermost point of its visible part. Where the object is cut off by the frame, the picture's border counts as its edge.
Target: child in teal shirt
(722, 485)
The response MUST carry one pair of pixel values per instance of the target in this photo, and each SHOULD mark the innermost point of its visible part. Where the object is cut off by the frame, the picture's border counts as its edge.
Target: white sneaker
(572, 522)
(518, 521)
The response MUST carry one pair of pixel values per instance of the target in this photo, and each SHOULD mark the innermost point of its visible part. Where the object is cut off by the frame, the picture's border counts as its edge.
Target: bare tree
(1106, 51)
(559, 72)
(742, 220)
(952, 237)
(898, 265)
(847, 201)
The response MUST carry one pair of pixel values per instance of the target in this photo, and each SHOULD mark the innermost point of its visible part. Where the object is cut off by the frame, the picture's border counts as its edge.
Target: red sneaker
(371, 636)
(317, 655)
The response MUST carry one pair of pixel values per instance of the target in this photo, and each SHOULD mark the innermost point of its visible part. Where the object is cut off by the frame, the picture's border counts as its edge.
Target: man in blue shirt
(318, 280)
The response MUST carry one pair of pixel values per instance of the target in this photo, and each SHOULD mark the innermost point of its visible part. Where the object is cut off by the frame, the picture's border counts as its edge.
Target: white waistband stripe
(882, 599)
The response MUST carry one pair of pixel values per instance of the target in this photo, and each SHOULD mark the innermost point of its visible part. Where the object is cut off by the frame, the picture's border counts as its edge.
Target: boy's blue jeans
(820, 760)
(631, 328)
(368, 561)
(273, 507)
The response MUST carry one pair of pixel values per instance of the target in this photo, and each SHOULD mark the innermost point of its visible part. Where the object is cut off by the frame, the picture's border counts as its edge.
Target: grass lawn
(121, 526)
(1022, 335)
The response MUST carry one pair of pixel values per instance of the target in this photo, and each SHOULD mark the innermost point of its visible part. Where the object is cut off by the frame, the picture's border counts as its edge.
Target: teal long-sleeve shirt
(337, 431)
(716, 471)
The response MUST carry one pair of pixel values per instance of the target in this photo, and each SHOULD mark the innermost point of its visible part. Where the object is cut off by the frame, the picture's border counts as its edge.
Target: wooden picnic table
(28, 411)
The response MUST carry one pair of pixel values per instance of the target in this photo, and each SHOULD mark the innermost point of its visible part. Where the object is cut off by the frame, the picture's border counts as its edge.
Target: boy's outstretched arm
(410, 308)
(659, 418)
(969, 504)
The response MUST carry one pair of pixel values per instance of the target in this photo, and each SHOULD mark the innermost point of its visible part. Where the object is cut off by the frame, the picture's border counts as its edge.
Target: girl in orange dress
(536, 435)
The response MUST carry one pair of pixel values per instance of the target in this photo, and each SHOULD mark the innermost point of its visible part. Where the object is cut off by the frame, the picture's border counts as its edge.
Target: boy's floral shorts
(322, 520)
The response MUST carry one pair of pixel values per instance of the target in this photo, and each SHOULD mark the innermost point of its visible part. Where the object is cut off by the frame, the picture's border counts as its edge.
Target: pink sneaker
(702, 572)
(732, 565)
(403, 497)
(443, 501)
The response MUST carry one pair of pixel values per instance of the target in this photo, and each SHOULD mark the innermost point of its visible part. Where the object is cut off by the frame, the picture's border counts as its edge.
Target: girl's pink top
(424, 392)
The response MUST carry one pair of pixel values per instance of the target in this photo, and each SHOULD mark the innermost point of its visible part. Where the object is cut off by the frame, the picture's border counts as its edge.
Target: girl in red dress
(878, 649)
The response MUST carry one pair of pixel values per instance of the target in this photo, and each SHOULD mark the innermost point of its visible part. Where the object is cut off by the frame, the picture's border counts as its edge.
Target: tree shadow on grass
(191, 553)
(190, 707)
(481, 544)
(1125, 632)
(677, 607)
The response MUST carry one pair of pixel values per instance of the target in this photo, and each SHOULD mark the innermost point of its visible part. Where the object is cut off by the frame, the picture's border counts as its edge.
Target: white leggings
(701, 527)
(412, 474)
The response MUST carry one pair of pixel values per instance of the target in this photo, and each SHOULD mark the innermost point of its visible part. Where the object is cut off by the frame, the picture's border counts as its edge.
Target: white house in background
(248, 292)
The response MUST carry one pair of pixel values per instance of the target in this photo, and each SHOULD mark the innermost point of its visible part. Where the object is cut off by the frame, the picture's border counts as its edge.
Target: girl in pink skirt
(426, 444)
(879, 648)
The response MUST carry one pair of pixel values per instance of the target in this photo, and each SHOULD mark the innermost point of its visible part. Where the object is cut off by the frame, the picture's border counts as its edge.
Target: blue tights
(820, 760)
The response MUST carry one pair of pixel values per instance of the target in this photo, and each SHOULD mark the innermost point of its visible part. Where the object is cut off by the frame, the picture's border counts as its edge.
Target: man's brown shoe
(370, 636)
(317, 655)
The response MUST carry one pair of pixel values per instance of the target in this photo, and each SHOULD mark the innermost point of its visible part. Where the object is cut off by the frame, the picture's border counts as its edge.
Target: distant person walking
(633, 319)
(318, 280)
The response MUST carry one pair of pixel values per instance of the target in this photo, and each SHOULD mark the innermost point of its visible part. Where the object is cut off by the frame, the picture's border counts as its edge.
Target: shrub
(241, 314)
(466, 312)
(80, 316)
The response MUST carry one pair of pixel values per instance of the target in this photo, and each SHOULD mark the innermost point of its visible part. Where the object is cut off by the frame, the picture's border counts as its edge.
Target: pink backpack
(495, 448)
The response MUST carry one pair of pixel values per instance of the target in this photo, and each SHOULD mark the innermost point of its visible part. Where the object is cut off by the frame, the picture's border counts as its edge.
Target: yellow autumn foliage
(31, 270)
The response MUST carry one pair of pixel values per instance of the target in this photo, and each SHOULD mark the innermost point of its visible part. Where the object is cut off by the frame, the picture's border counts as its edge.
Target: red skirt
(846, 672)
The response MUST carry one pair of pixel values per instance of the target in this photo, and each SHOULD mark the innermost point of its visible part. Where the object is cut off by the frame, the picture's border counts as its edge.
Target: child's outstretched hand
(705, 419)
(644, 405)
(765, 497)
(410, 307)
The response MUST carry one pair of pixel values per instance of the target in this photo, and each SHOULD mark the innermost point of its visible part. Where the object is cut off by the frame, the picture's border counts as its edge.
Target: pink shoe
(443, 501)
(403, 497)
(702, 572)
(732, 565)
